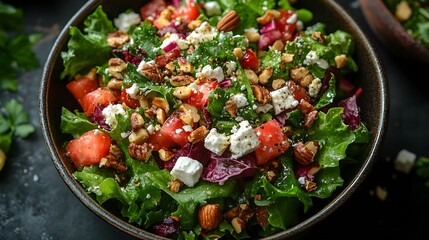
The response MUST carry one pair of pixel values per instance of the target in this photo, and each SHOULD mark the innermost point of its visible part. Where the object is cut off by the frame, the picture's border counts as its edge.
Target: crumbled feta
(174, 37)
(204, 32)
(240, 100)
(264, 108)
(282, 99)
(292, 19)
(314, 87)
(312, 58)
(110, 112)
(231, 66)
(150, 129)
(187, 128)
(209, 72)
(216, 142)
(125, 20)
(187, 170)
(212, 8)
(179, 131)
(405, 160)
(244, 140)
(133, 91)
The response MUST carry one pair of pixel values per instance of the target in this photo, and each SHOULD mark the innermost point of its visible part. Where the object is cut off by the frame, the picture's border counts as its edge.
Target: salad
(211, 119)
(414, 16)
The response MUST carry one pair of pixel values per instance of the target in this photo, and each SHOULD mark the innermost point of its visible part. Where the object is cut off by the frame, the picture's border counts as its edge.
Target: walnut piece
(140, 152)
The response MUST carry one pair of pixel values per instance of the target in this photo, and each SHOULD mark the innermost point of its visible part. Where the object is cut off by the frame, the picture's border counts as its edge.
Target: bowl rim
(343, 194)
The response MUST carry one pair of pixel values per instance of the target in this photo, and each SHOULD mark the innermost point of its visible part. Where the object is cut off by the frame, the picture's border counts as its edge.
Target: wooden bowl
(391, 33)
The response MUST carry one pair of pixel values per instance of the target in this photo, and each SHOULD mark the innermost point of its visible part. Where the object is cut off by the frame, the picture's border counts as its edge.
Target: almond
(210, 216)
(229, 22)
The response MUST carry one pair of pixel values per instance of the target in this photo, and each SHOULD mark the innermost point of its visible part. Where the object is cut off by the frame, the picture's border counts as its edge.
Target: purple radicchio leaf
(168, 227)
(221, 168)
(98, 117)
(350, 114)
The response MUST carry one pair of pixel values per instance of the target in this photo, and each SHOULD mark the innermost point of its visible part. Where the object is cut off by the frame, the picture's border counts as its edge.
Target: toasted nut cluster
(231, 108)
(198, 134)
(153, 72)
(117, 39)
(140, 151)
(116, 66)
(268, 16)
(181, 80)
(114, 160)
(229, 22)
(301, 75)
(261, 94)
(304, 153)
(210, 216)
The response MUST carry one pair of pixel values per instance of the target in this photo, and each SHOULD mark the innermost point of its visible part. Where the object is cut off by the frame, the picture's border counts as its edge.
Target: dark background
(36, 204)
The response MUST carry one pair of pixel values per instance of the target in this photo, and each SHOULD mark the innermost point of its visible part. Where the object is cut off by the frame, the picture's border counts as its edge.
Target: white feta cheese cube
(209, 72)
(187, 170)
(125, 20)
(216, 142)
(240, 100)
(110, 112)
(282, 99)
(314, 87)
(404, 161)
(244, 140)
(264, 108)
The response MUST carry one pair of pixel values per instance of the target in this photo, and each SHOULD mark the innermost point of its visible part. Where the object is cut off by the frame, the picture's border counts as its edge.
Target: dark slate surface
(36, 204)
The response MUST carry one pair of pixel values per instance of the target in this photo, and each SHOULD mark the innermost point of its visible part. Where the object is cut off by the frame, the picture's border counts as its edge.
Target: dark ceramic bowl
(374, 102)
(392, 34)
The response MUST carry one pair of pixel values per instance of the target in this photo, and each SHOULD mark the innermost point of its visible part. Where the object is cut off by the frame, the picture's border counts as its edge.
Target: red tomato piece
(189, 12)
(159, 141)
(200, 97)
(128, 100)
(152, 9)
(173, 129)
(273, 142)
(288, 30)
(250, 60)
(100, 96)
(297, 91)
(82, 86)
(89, 148)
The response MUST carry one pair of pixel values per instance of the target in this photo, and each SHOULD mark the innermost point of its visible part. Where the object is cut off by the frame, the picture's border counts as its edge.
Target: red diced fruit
(200, 97)
(152, 9)
(273, 142)
(159, 141)
(173, 130)
(250, 60)
(287, 29)
(89, 148)
(100, 96)
(297, 91)
(128, 100)
(82, 86)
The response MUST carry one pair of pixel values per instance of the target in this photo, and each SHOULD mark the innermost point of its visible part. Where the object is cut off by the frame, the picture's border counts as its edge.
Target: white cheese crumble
(216, 142)
(133, 91)
(282, 99)
(187, 170)
(404, 161)
(110, 112)
(244, 140)
(292, 19)
(209, 72)
(314, 87)
(240, 100)
(187, 128)
(204, 32)
(312, 58)
(231, 66)
(125, 20)
(264, 108)
(174, 37)
(212, 8)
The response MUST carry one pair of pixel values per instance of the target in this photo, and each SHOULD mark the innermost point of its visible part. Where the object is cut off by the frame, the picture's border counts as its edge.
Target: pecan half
(153, 73)
(181, 80)
(229, 22)
(140, 152)
(304, 153)
(261, 94)
(117, 39)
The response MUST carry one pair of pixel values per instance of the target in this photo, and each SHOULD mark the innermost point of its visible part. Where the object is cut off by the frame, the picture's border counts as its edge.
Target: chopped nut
(278, 45)
(194, 24)
(265, 75)
(319, 37)
(238, 224)
(242, 211)
(181, 80)
(271, 176)
(198, 134)
(340, 61)
(310, 186)
(229, 22)
(165, 154)
(210, 216)
(153, 73)
(287, 57)
(188, 114)
(182, 92)
(238, 53)
(231, 108)
(278, 83)
(138, 136)
(116, 66)
(261, 94)
(115, 84)
(145, 102)
(304, 153)
(297, 73)
(186, 67)
(251, 75)
(137, 121)
(117, 39)
(306, 80)
(268, 16)
(252, 36)
(175, 186)
(161, 103)
(403, 11)
(140, 152)
(114, 159)
(161, 116)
